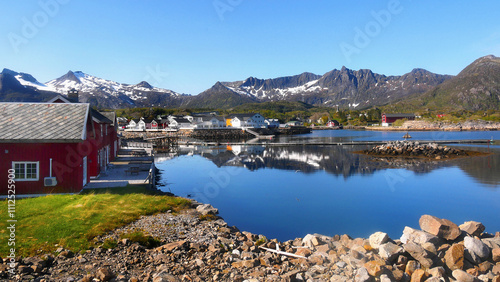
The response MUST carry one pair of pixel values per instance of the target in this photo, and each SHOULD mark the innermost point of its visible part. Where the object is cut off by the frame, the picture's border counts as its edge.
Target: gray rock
(312, 240)
(418, 237)
(477, 248)
(207, 209)
(105, 274)
(165, 277)
(434, 279)
(377, 239)
(463, 276)
(385, 278)
(420, 254)
(389, 251)
(362, 276)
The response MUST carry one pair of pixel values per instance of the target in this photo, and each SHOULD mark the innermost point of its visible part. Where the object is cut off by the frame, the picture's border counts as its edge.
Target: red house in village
(50, 146)
(106, 141)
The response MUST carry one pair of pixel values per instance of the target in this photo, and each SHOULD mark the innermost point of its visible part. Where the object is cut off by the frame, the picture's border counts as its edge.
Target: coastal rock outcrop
(410, 149)
(194, 247)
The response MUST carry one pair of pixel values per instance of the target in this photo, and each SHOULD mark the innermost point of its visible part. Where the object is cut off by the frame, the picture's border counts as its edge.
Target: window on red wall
(26, 171)
(101, 130)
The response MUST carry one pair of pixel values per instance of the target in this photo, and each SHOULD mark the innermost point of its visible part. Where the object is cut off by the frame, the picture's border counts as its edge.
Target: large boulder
(207, 209)
(473, 228)
(425, 258)
(378, 238)
(463, 276)
(419, 237)
(477, 249)
(389, 251)
(454, 257)
(442, 228)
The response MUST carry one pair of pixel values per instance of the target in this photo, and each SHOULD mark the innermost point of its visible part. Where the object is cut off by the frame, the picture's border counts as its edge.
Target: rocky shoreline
(409, 149)
(419, 125)
(196, 245)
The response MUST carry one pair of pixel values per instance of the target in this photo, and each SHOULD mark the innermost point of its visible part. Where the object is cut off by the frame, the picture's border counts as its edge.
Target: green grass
(139, 237)
(73, 221)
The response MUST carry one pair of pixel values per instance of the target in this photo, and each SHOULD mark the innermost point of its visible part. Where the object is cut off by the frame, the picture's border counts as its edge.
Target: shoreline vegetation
(422, 125)
(189, 242)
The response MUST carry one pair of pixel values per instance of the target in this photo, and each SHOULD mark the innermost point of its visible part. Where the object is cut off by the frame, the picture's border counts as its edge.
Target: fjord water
(288, 192)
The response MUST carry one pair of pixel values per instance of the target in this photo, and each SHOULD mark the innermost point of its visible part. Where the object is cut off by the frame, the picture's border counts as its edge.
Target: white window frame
(25, 170)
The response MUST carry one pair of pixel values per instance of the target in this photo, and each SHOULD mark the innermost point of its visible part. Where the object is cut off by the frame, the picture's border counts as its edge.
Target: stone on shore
(463, 276)
(443, 228)
(311, 240)
(377, 239)
(207, 209)
(473, 228)
(375, 267)
(495, 253)
(418, 237)
(420, 254)
(477, 249)
(454, 257)
(419, 276)
(389, 251)
(362, 275)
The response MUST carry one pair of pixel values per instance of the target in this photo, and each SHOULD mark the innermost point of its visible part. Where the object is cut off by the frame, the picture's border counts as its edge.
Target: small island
(416, 149)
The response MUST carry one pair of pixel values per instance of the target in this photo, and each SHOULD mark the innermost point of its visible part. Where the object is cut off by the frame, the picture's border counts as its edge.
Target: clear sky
(187, 46)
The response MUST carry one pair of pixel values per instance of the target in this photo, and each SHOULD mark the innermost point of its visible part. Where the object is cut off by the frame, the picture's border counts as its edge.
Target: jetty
(331, 143)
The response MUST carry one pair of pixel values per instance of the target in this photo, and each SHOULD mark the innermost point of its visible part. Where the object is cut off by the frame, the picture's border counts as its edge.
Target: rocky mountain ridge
(475, 88)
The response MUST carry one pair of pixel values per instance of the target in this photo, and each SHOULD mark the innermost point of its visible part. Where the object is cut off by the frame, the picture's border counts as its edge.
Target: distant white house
(208, 122)
(251, 120)
(179, 122)
(137, 124)
(272, 123)
(295, 123)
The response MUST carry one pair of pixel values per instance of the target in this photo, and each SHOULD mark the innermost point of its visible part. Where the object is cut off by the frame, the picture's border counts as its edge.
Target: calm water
(288, 192)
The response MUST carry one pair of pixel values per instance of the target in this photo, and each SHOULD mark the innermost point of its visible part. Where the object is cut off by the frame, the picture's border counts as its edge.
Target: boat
(406, 136)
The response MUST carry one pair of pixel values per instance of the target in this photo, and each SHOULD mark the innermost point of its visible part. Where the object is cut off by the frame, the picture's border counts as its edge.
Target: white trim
(28, 162)
(59, 97)
(84, 133)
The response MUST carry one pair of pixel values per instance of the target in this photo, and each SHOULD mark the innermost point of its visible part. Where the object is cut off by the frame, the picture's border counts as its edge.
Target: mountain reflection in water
(338, 160)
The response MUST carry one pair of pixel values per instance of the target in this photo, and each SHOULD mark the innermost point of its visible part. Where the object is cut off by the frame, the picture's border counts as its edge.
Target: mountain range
(477, 87)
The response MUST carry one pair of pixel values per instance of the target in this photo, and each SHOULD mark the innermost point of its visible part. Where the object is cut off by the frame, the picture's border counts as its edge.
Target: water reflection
(337, 160)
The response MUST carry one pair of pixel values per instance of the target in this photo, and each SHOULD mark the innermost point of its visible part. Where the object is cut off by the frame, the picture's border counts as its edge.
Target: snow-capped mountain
(22, 87)
(111, 94)
(344, 88)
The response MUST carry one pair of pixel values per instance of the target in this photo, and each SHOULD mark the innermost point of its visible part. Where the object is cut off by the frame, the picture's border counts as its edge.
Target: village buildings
(389, 119)
(202, 121)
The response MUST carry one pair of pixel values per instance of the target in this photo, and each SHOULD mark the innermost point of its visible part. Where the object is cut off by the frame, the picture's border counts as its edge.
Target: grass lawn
(73, 221)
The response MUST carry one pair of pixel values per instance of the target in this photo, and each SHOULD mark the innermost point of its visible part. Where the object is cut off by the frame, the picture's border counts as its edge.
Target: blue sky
(187, 46)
